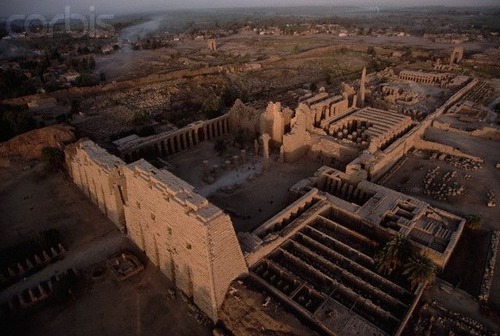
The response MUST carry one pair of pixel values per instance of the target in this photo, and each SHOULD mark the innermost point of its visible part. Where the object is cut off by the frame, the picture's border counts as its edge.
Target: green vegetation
(140, 118)
(473, 222)
(240, 138)
(53, 157)
(420, 270)
(14, 120)
(393, 254)
(211, 107)
(220, 146)
(230, 94)
(13, 84)
(397, 255)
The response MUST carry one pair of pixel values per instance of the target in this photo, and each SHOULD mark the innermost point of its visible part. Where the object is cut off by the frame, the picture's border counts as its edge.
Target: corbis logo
(76, 24)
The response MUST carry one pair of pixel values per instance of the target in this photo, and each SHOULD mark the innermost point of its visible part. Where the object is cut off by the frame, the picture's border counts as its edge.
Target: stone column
(265, 149)
(184, 141)
(210, 133)
(196, 139)
(217, 128)
(165, 147)
(243, 156)
(282, 154)
(206, 169)
(190, 139)
(256, 146)
(205, 132)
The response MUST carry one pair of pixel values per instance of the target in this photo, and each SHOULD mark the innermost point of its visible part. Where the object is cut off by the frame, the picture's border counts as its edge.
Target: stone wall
(298, 141)
(172, 142)
(245, 118)
(192, 241)
(485, 132)
(97, 174)
(272, 122)
(434, 146)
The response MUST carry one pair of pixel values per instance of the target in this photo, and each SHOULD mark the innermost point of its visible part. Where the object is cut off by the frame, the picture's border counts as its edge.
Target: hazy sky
(28, 7)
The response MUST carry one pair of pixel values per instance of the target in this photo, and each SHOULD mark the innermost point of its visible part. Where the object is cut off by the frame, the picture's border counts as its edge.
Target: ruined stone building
(429, 78)
(456, 55)
(190, 240)
(212, 44)
(317, 255)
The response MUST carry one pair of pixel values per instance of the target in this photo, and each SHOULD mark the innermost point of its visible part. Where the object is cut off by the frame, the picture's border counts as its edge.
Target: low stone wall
(434, 146)
(485, 132)
(489, 270)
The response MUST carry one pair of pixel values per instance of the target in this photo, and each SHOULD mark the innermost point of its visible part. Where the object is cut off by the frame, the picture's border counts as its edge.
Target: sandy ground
(128, 64)
(136, 306)
(459, 301)
(32, 200)
(474, 201)
(255, 200)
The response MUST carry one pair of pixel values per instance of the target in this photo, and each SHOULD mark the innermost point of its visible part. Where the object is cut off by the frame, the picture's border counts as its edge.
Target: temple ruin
(316, 255)
(190, 240)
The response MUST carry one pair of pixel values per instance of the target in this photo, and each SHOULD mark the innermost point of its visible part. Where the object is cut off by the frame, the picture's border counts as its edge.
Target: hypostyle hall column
(210, 133)
(265, 149)
(196, 139)
(190, 139)
(205, 132)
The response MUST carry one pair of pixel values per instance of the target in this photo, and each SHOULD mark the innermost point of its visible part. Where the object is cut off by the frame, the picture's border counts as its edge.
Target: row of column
(423, 80)
(181, 141)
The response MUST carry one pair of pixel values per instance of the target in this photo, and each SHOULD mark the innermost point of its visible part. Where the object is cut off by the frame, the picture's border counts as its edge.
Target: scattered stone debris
(484, 294)
(444, 189)
(200, 318)
(32, 296)
(171, 295)
(457, 162)
(492, 199)
(125, 266)
(435, 319)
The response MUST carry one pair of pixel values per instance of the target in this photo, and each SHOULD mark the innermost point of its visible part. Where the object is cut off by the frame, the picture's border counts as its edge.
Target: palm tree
(393, 254)
(420, 270)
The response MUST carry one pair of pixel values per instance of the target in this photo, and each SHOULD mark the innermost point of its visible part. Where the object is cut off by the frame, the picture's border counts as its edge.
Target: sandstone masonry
(192, 241)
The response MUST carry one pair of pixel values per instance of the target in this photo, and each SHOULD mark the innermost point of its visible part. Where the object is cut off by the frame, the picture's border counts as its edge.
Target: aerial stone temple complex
(317, 254)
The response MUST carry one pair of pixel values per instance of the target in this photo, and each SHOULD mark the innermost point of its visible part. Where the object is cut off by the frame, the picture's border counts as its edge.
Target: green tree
(240, 138)
(393, 254)
(52, 157)
(420, 270)
(220, 146)
(13, 121)
(140, 118)
(211, 107)
(230, 95)
(473, 222)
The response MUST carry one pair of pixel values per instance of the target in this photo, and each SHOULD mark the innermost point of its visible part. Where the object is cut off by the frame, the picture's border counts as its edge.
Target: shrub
(473, 222)
(52, 157)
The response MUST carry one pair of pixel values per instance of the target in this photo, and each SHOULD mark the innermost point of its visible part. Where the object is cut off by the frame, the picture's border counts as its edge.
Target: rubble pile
(492, 199)
(436, 319)
(489, 268)
(441, 188)
(457, 162)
